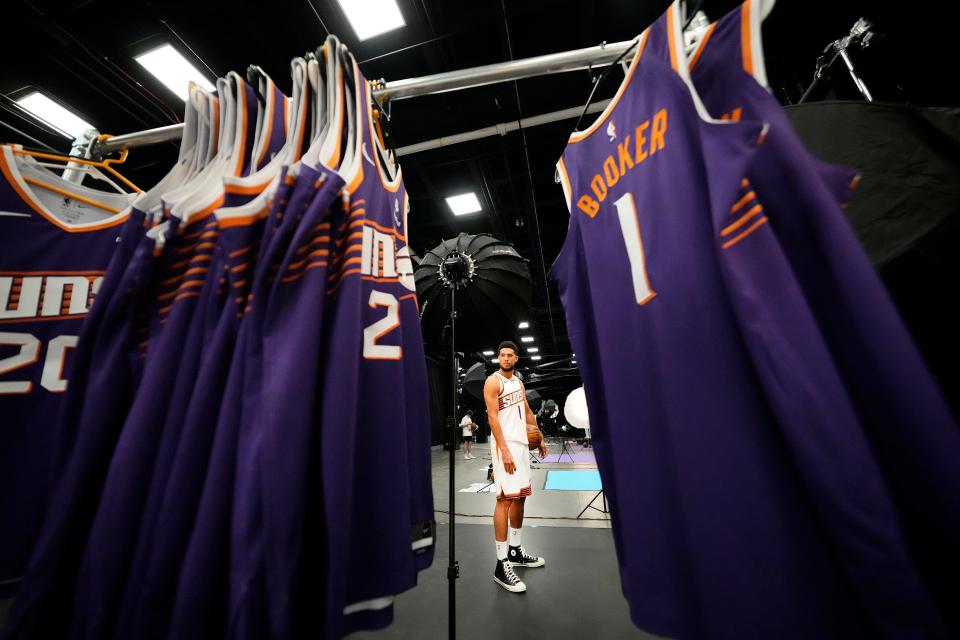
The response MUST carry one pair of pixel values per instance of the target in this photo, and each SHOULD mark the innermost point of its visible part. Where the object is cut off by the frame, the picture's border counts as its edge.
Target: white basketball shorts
(511, 485)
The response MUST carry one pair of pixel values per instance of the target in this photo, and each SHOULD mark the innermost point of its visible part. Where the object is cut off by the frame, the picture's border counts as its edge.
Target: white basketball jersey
(512, 403)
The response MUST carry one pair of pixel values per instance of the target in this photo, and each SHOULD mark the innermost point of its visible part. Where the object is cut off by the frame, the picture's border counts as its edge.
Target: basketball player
(509, 413)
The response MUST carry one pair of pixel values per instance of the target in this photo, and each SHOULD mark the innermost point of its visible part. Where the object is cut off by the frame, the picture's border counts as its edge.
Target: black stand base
(590, 504)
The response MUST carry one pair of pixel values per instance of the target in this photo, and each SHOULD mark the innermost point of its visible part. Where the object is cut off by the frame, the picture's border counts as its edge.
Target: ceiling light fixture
(176, 72)
(524, 325)
(534, 357)
(533, 349)
(488, 353)
(53, 114)
(494, 360)
(464, 203)
(526, 338)
(372, 17)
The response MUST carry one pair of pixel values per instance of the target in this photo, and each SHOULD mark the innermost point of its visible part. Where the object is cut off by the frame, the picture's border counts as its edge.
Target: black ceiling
(82, 52)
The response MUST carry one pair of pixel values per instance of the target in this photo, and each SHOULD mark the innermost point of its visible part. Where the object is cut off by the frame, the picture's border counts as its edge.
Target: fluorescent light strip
(523, 325)
(526, 338)
(535, 357)
(533, 349)
(176, 72)
(495, 360)
(372, 17)
(464, 203)
(488, 353)
(51, 113)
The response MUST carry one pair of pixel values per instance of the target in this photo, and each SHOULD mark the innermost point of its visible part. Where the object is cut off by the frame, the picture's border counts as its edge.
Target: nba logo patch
(612, 131)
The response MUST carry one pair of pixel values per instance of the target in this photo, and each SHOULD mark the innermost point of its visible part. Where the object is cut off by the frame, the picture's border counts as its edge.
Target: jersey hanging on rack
(900, 429)
(645, 253)
(55, 245)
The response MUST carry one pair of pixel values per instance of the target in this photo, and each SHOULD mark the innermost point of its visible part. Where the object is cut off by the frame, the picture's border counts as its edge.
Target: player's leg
(515, 552)
(500, 519)
(504, 574)
(469, 444)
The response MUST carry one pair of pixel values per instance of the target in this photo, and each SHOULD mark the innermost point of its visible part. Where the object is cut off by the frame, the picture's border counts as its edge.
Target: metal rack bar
(565, 61)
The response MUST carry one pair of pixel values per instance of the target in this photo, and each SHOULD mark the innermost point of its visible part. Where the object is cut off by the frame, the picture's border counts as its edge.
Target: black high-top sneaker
(519, 558)
(504, 576)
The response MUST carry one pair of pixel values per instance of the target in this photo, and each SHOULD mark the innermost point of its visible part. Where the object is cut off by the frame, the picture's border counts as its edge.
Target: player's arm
(491, 393)
(532, 422)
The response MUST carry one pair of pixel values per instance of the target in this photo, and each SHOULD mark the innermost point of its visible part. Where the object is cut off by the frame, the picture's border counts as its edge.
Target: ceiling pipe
(501, 129)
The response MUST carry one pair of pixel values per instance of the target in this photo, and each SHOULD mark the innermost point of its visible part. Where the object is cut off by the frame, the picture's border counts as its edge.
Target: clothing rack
(577, 59)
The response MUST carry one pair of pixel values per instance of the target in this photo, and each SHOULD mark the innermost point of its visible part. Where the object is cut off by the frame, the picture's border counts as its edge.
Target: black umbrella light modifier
(474, 379)
(492, 284)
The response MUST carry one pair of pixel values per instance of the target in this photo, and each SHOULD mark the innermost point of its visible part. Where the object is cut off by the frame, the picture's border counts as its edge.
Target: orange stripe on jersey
(375, 279)
(312, 265)
(249, 190)
(672, 39)
(240, 283)
(186, 294)
(316, 240)
(240, 221)
(745, 40)
(702, 45)
(577, 136)
(739, 204)
(43, 318)
(52, 273)
(239, 267)
(745, 233)
(195, 270)
(72, 196)
(352, 236)
(390, 230)
(742, 220)
(171, 280)
(744, 183)
(239, 252)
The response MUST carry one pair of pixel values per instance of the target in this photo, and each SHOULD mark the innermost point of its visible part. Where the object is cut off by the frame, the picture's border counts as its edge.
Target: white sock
(514, 537)
(501, 550)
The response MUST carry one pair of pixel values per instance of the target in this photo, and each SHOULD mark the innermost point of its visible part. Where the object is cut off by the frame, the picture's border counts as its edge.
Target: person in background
(469, 426)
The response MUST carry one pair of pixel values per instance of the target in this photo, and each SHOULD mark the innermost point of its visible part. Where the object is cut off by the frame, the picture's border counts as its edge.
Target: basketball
(534, 437)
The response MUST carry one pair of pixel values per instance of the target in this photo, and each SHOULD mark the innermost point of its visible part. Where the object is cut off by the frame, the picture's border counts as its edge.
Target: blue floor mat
(573, 480)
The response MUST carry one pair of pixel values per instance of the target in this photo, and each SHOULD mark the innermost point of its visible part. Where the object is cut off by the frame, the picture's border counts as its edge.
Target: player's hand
(543, 448)
(508, 464)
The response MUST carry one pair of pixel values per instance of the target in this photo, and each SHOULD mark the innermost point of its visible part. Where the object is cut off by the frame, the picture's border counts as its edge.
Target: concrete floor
(543, 508)
(576, 594)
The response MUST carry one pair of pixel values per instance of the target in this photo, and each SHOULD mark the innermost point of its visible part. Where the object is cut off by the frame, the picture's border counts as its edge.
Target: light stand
(455, 271)
(860, 36)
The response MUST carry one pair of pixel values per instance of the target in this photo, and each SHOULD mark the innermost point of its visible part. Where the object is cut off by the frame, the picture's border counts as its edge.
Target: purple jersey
(149, 592)
(915, 442)
(729, 547)
(130, 236)
(120, 510)
(47, 590)
(364, 373)
(200, 602)
(53, 256)
(227, 282)
(795, 367)
(272, 480)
